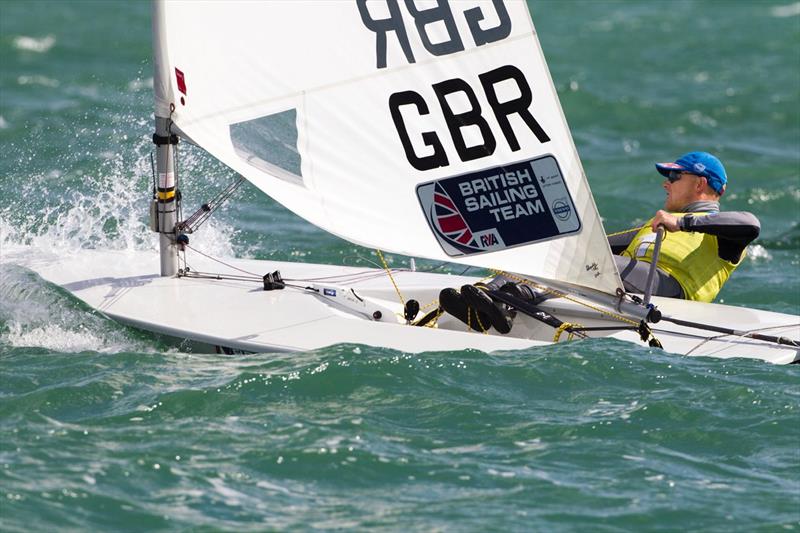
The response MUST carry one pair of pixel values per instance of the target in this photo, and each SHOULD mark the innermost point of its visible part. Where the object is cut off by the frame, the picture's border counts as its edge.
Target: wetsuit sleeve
(734, 231)
(620, 241)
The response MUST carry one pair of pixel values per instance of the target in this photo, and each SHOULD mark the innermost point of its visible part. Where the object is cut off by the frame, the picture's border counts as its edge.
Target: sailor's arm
(734, 229)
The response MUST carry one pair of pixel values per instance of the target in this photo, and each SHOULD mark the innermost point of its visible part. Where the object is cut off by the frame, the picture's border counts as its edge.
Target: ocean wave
(35, 313)
(213, 435)
(786, 240)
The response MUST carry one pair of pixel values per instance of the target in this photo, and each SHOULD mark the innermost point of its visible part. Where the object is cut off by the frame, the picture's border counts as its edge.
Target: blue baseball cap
(700, 164)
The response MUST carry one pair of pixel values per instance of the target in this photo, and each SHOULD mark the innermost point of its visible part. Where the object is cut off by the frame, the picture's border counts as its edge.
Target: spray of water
(96, 197)
(106, 209)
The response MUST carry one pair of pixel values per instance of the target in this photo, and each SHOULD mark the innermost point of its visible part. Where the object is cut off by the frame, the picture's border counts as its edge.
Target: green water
(106, 428)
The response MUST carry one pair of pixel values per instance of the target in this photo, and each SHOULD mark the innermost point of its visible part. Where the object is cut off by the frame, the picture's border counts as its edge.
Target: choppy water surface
(106, 428)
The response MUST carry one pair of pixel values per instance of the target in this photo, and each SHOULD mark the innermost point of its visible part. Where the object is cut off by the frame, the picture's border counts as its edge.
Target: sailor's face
(681, 190)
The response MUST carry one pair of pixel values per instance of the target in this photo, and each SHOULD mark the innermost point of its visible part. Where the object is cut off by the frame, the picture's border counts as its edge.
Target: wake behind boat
(432, 133)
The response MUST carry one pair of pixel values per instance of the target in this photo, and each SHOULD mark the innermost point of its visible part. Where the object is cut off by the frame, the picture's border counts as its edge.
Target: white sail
(424, 128)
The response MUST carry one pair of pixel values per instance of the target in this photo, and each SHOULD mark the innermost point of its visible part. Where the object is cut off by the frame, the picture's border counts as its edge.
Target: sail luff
(162, 88)
(585, 181)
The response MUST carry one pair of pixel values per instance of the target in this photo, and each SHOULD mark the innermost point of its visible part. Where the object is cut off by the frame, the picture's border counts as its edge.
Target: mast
(165, 209)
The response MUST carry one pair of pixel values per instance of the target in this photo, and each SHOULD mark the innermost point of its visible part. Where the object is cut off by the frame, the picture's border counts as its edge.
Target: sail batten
(428, 130)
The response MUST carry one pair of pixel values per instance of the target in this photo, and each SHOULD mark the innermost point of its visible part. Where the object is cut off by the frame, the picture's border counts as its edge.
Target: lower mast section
(166, 197)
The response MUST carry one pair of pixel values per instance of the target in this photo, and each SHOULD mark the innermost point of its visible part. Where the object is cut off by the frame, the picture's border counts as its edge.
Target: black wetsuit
(734, 231)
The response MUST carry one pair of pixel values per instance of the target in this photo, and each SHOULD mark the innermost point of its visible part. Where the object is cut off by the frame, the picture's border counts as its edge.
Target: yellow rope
(627, 231)
(427, 306)
(563, 327)
(389, 272)
(434, 321)
(484, 329)
(570, 298)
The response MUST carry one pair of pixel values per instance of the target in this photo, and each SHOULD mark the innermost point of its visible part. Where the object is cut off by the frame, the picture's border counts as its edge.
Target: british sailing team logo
(499, 207)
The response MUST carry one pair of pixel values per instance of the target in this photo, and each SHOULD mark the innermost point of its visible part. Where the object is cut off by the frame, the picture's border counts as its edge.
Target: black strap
(160, 140)
(527, 308)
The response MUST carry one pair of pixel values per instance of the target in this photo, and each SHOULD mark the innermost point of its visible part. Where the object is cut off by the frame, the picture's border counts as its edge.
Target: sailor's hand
(663, 218)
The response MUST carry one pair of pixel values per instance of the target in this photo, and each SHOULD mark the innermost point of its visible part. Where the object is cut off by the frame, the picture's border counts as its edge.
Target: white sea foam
(33, 44)
(3, 123)
(140, 84)
(55, 337)
(758, 253)
(788, 10)
(38, 80)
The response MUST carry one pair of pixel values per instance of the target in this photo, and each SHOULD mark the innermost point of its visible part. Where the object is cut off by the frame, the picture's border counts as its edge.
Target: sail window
(269, 143)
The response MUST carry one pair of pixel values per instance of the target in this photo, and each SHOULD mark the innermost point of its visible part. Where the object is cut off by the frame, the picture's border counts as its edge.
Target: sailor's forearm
(737, 226)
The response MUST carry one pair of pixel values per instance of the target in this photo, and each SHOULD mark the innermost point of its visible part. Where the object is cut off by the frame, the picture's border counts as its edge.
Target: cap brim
(665, 168)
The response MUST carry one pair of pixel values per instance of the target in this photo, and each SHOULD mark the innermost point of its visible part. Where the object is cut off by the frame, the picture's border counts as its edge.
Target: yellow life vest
(690, 257)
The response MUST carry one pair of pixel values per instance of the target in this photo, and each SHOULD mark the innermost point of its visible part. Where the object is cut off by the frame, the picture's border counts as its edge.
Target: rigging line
(221, 262)
(257, 277)
(435, 267)
(465, 270)
(751, 334)
(774, 327)
(705, 340)
(344, 277)
(370, 261)
(363, 274)
(229, 277)
(207, 209)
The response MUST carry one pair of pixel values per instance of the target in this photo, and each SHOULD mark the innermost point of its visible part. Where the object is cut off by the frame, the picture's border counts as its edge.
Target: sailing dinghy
(428, 129)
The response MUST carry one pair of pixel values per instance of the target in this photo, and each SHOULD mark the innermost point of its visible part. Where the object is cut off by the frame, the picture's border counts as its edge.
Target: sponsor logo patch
(499, 207)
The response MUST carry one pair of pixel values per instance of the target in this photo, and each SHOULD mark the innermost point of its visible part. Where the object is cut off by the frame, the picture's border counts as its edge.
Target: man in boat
(703, 247)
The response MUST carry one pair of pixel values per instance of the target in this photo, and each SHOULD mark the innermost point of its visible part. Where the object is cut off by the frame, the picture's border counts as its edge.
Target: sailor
(702, 248)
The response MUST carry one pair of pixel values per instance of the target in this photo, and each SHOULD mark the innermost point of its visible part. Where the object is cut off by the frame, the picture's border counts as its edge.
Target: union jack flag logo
(448, 219)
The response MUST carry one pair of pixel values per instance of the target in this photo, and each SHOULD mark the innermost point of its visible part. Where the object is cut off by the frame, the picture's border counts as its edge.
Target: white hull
(241, 316)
